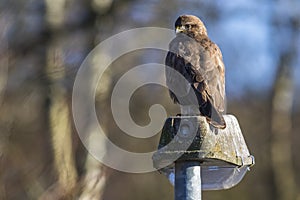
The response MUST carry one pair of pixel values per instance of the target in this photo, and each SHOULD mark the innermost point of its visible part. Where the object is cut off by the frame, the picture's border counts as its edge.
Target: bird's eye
(188, 26)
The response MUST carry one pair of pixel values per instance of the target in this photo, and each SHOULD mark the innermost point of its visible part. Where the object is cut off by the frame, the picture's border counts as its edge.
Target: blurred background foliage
(43, 43)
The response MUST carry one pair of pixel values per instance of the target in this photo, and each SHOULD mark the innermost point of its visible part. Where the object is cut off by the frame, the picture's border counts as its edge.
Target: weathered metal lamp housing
(223, 154)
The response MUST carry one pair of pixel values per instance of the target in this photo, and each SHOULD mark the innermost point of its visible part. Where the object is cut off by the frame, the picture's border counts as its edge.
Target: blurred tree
(282, 104)
(22, 119)
(59, 114)
(71, 28)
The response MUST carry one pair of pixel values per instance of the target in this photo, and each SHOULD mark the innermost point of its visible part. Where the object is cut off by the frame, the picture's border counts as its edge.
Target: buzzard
(199, 61)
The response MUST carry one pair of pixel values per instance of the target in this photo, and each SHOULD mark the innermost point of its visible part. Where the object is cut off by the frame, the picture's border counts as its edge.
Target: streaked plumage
(199, 60)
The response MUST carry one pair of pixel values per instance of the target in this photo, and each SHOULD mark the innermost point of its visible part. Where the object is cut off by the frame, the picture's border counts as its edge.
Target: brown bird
(199, 61)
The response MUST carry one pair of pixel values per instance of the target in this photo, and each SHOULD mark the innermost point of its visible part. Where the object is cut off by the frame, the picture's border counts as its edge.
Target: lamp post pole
(187, 180)
(197, 157)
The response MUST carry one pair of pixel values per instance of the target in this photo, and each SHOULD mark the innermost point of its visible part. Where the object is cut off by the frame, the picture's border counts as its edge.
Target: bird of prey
(199, 61)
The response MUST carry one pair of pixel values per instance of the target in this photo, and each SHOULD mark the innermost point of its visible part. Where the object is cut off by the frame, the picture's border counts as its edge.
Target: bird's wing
(209, 69)
(178, 76)
(200, 62)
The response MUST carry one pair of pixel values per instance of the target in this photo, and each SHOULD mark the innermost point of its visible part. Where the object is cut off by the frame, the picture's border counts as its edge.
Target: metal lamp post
(200, 157)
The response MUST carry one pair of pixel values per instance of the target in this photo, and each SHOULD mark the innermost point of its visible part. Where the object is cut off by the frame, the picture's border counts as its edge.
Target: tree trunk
(281, 124)
(281, 154)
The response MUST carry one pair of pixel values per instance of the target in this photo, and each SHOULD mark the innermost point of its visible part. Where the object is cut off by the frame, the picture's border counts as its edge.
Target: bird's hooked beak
(180, 29)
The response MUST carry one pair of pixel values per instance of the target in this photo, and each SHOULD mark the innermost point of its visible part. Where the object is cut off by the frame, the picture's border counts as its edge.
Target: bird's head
(190, 25)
